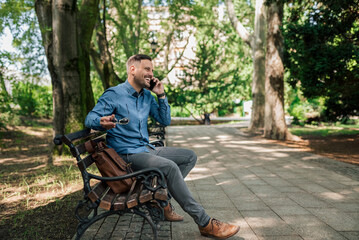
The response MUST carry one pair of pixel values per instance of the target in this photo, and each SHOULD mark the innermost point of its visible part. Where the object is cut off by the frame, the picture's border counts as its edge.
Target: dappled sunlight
(227, 182)
(200, 145)
(199, 170)
(332, 196)
(202, 138)
(176, 137)
(223, 137)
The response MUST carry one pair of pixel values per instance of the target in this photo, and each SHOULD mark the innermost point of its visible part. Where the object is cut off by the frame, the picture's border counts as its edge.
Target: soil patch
(344, 148)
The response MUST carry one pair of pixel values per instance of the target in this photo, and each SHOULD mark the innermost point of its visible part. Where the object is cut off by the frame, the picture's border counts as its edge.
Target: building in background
(178, 49)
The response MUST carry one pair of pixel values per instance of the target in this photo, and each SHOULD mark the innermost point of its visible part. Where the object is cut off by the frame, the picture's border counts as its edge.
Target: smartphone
(152, 84)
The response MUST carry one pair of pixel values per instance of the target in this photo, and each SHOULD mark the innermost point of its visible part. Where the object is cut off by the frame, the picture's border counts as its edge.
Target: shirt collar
(131, 90)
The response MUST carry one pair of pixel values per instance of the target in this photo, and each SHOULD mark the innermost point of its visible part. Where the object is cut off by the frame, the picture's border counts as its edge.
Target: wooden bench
(145, 198)
(156, 133)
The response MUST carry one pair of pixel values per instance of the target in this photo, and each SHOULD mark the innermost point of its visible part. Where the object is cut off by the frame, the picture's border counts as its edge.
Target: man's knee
(170, 168)
(192, 157)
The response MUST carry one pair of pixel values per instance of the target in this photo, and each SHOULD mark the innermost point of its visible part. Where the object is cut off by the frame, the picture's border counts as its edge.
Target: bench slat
(161, 194)
(132, 200)
(85, 163)
(120, 202)
(98, 191)
(106, 201)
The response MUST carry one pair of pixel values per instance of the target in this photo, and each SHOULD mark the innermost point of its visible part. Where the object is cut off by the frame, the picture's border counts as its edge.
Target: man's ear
(132, 69)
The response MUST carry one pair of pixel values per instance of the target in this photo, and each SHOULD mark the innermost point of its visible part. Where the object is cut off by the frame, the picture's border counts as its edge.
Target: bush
(179, 112)
(8, 119)
(33, 100)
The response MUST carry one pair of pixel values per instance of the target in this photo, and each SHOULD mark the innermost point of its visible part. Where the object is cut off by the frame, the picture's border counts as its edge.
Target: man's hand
(158, 89)
(107, 122)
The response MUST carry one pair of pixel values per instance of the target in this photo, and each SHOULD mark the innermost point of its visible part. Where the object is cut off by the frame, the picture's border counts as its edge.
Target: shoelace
(215, 221)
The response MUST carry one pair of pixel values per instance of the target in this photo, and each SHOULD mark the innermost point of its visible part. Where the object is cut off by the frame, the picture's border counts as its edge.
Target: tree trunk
(44, 14)
(103, 60)
(256, 43)
(275, 126)
(258, 83)
(66, 63)
(66, 40)
(85, 27)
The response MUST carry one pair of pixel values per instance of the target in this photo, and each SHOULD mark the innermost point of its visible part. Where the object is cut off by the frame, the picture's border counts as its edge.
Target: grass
(324, 131)
(37, 196)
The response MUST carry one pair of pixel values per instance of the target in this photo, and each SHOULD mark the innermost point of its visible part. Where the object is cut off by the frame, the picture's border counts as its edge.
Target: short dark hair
(136, 58)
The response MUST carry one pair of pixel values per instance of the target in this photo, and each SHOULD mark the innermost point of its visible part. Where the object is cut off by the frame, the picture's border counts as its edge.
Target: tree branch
(238, 26)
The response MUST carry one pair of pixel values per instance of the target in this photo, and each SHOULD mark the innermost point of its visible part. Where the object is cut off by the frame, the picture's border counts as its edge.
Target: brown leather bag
(110, 164)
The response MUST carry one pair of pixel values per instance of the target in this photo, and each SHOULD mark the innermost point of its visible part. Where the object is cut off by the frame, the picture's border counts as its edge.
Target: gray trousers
(175, 163)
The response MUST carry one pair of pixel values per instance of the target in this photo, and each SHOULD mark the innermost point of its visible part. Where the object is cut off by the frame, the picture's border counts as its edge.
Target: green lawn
(323, 131)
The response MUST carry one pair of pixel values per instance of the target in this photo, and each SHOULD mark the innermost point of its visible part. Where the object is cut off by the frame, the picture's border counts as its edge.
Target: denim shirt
(124, 101)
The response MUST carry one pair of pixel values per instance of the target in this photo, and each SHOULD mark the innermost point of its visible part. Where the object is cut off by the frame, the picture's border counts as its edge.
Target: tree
(275, 126)
(66, 33)
(322, 53)
(256, 42)
(102, 58)
(214, 78)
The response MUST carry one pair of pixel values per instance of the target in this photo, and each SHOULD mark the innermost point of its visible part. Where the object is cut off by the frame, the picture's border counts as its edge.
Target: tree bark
(66, 58)
(256, 43)
(43, 10)
(103, 60)
(86, 20)
(258, 83)
(275, 125)
(66, 38)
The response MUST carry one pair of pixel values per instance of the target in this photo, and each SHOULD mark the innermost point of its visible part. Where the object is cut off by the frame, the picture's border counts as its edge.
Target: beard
(144, 81)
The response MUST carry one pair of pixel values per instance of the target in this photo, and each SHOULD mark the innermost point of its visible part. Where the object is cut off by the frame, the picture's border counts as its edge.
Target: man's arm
(101, 116)
(161, 111)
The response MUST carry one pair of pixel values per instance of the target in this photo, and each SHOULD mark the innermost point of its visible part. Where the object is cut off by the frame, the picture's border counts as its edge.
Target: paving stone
(336, 219)
(278, 201)
(351, 235)
(287, 237)
(289, 210)
(270, 191)
(307, 200)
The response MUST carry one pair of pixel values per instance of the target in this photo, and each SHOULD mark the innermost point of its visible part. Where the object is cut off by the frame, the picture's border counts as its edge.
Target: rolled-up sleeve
(161, 111)
(104, 107)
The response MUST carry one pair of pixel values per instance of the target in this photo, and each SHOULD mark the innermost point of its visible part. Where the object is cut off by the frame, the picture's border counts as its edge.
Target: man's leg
(174, 175)
(184, 158)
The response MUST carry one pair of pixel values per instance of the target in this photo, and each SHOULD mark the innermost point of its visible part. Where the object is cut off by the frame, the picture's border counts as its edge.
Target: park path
(270, 191)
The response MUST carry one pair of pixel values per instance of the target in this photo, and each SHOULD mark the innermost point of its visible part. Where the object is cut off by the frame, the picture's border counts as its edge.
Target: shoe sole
(174, 220)
(213, 237)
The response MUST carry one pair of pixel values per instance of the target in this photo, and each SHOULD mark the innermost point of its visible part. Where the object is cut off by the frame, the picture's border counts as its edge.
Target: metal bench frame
(150, 181)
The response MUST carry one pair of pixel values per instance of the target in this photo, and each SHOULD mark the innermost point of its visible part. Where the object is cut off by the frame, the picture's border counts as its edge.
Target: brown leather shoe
(170, 215)
(218, 230)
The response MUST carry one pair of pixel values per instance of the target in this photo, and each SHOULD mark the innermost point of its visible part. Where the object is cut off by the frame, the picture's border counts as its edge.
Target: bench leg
(86, 223)
(149, 220)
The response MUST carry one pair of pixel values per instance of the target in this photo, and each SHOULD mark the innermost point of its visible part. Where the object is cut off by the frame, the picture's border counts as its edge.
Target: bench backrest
(76, 142)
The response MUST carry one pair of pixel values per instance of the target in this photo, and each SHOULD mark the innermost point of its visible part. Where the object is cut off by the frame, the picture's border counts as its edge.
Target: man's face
(143, 73)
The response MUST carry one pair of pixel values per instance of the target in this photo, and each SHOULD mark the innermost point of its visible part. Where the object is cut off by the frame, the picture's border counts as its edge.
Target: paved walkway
(271, 191)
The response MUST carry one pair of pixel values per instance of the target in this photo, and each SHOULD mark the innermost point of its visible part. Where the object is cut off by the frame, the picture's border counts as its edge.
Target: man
(133, 102)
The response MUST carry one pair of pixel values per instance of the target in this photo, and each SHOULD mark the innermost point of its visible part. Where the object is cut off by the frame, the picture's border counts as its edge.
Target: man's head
(139, 71)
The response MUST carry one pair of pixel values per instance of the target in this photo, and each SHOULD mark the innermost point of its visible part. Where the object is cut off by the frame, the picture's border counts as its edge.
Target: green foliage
(324, 131)
(18, 16)
(303, 110)
(219, 74)
(322, 53)
(33, 99)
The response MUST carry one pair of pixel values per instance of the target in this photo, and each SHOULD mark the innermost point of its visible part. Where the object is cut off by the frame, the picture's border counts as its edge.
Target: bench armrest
(162, 182)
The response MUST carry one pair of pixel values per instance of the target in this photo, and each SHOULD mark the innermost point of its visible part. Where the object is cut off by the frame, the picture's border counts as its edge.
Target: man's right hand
(107, 122)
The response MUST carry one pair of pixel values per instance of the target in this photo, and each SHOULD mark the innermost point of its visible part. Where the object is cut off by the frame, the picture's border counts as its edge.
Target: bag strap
(90, 146)
(116, 159)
